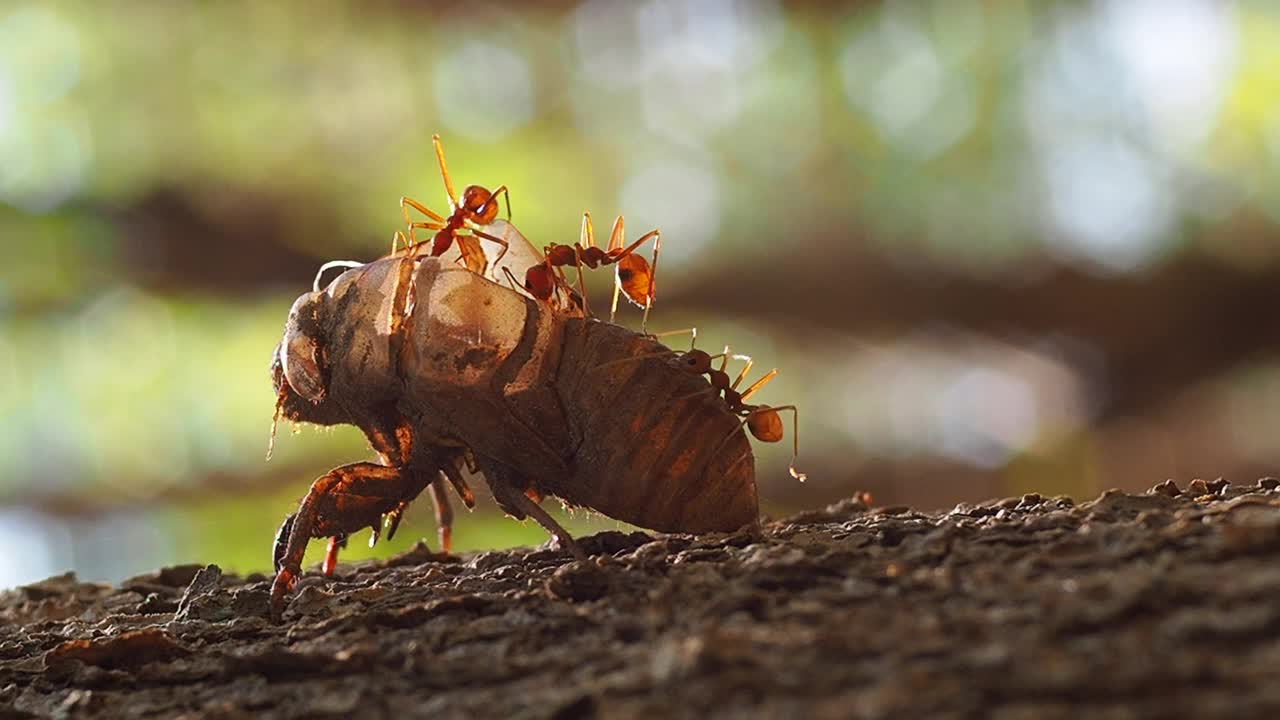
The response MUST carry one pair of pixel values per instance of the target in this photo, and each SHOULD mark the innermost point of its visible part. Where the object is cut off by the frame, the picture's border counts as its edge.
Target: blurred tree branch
(1156, 332)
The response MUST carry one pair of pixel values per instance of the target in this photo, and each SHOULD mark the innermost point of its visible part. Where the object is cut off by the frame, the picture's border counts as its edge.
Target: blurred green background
(994, 247)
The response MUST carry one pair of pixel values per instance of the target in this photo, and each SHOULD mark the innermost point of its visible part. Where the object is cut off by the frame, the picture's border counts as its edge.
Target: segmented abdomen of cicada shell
(655, 447)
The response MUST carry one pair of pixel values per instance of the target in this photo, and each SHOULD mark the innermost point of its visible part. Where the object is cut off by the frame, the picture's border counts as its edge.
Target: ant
(478, 208)
(762, 421)
(633, 275)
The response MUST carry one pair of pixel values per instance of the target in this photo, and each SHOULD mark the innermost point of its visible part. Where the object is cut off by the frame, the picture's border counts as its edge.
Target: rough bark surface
(1155, 605)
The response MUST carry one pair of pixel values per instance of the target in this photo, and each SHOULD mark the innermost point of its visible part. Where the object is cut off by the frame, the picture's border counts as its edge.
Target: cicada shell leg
(336, 543)
(342, 501)
(444, 515)
(454, 476)
(540, 516)
(515, 502)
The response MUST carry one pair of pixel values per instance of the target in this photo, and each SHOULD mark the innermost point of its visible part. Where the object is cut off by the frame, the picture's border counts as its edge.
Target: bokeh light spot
(484, 90)
(683, 197)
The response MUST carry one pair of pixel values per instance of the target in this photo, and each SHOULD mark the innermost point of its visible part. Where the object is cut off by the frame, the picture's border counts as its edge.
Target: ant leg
(396, 240)
(582, 288)
(495, 239)
(615, 242)
(587, 237)
(506, 196)
(746, 394)
(616, 234)
(444, 515)
(506, 200)
(795, 438)
(341, 501)
(473, 256)
(405, 204)
(795, 434)
(651, 281)
(693, 331)
(444, 173)
(511, 280)
(745, 369)
(704, 391)
(633, 358)
(635, 276)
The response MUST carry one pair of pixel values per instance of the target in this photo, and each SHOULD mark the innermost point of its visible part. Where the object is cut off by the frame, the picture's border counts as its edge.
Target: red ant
(633, 275)
(478, 208)
(762, 421)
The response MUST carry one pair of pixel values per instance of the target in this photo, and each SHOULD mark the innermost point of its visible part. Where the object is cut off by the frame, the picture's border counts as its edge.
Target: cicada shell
(441, 366)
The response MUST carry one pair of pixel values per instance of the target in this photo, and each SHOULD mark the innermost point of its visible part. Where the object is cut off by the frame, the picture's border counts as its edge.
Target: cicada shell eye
(301, 362)
(301, 352)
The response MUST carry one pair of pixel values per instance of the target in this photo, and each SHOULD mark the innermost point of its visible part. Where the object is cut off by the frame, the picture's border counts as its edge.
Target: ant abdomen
(765, 424)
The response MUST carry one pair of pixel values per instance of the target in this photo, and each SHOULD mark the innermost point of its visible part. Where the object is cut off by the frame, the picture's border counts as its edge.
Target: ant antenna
(444, 173)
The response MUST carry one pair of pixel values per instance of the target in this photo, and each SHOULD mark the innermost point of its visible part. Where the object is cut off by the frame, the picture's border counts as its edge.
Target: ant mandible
(478, 208)
(633, 275)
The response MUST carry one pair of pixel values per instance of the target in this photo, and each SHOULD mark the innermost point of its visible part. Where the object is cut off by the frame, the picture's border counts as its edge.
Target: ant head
(764, 424)
(475, 199)
(540, 281)
(696, 362)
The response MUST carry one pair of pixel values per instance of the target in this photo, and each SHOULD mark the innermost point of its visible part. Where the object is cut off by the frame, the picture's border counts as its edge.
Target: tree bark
(1153, 605)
